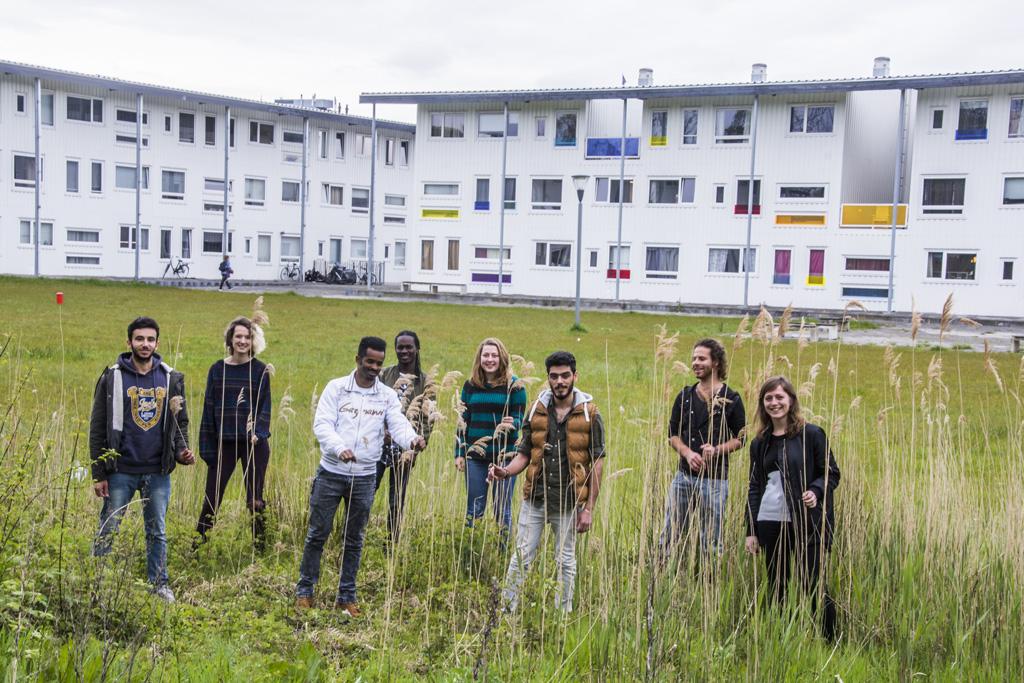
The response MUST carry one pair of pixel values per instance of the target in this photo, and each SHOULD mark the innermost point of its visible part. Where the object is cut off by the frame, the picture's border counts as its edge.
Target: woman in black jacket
(793, 477)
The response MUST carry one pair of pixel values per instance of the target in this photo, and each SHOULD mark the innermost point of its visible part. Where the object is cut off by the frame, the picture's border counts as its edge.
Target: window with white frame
(213, 242)
(71, 182)
(540, 126)
(172, 184)
(127, 238)
(743, 196)
(606, 190)
(291, 248)
(509, 196)
(291, 191)
(943, 195)
(323, 142)
(216, 185)
(1016, 129)
(592, 258)
(483, 195)
(82, 259)
(719, 194)
(130, 116)
(82, 236)
(210, 130)
(973, 121)
(96, 177)
(565, 129)
(427, 254)
(812, 118)
(447, 125)
(552, 254)
(547, 194)
(441, 189)
(727, 260)
(26, 236)
(263, 247)
(867, 265)
(672, 190)
(491, 253)
(333, 195)
(124, 177)
(403, 152)
(659, 128)
(167, 123)
(25, 170)
(186, 243)
(255, 191)
(662, 263)
(231, 132)
(394, 220)
(85, 109)
(802, 193)
(19, 103)
(1008, 269)
(339, 145)
(783, 266)
(46, 109)
(128, 139)
(261, 133)
(1013, 191)
(938, 118)
(186, 127)
(165, 243)
(293, 137)
(364, 145)
(691, 118)
(732, 125)
(490, 125)
(613, 253)
(357, 248)
(399, 257)
(360, 199)
(453, 254)
(394, 200)
(949, 265)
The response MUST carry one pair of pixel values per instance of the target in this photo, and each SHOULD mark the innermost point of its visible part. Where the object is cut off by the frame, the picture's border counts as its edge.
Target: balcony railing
(872, 216)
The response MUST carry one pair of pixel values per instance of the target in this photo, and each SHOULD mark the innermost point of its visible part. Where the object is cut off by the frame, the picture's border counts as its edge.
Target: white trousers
(532, 519)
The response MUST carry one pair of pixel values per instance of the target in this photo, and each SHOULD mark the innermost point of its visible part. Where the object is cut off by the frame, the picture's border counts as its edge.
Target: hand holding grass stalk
(185, 457)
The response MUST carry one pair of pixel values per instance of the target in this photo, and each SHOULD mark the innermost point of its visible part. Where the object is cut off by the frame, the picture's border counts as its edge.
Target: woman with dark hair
(706, 424)
(793, 478)
(494, 402)
(236, 426)
(410, 382)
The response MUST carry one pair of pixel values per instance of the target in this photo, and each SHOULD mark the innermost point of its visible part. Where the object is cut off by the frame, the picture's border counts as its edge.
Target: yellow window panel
(440, 213)
(872, 215)
(816, 280)
(817, 220)
(659, 140)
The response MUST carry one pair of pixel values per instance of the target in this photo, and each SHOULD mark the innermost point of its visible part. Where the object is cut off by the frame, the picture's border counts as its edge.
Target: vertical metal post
(501, 212)
(302, 199)
(622, 198)
(897, 182)
(373, 183)
(750, 205)
(579, 252)
(138, 183)
(39, 170)
(227, 182)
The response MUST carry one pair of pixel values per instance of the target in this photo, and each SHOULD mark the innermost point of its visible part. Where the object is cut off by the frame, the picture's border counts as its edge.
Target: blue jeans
(688, 495)
(155, 492)
(328, 491)
(476, 494)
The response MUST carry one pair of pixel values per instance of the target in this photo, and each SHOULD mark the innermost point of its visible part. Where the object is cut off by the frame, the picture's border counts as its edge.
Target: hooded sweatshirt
(145, 403)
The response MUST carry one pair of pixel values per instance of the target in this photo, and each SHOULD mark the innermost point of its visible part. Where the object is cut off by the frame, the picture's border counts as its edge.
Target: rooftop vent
(881, 69)
(758, 73)
(646, 78)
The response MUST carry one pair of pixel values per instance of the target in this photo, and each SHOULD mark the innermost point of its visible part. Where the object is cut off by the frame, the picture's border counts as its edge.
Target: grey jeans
(532, 519)
(689, 495)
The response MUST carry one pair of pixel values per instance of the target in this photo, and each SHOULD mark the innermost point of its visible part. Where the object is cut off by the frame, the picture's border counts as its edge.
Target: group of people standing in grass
(372, 423)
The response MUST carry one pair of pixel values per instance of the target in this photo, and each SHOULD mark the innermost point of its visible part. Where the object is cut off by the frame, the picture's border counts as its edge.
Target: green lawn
(926, 568)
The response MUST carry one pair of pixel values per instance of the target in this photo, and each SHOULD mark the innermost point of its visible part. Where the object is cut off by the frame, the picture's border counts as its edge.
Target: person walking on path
(791, 498)
(706, 424)
(562, 451)
(138, 431)
(493, 402)
(236, 427)
(351, 417)
(226, 271)
(410, 383)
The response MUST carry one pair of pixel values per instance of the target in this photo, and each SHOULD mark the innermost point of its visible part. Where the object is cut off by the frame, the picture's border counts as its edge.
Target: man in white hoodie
(353, 413)
(562, 451)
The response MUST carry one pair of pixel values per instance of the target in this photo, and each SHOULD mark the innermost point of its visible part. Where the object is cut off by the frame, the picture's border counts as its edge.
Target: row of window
(329, 144)
(972, 119)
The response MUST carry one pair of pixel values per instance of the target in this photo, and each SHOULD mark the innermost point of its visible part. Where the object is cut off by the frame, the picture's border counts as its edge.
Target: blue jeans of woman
(477, 487)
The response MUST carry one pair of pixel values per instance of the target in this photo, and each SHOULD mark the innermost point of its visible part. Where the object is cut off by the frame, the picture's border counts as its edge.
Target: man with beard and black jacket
(137, 432)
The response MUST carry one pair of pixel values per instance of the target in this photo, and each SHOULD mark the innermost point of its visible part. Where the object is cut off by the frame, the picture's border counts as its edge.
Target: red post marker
(60, 298)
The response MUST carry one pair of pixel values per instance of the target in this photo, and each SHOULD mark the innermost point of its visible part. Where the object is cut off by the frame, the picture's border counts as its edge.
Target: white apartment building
(822, 155)
(88, 145)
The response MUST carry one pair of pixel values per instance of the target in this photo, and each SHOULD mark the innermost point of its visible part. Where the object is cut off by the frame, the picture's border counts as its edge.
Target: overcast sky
(262, 49)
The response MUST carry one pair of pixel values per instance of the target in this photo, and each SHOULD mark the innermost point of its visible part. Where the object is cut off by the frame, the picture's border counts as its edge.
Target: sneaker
(165, 593)
(304, 602)
(349, 609)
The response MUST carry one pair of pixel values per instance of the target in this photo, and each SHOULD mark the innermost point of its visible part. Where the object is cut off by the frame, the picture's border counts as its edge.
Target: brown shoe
(349, 609)
(303, 602)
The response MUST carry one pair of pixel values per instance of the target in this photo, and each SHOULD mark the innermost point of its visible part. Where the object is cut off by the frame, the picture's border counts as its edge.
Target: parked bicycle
(177, 267)
(290, 272)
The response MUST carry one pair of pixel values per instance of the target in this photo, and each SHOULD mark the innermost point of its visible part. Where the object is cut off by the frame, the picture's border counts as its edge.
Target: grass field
(927, 566)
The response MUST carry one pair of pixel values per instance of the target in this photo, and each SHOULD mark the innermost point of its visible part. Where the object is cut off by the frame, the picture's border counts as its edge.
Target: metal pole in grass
(580, 181)
(897, 182)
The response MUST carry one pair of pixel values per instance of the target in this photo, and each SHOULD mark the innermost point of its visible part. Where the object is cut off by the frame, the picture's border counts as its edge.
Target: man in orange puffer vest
(562, 451)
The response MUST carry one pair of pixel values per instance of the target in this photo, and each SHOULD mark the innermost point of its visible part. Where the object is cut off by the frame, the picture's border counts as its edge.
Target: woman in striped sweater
(235, 427)
(494, 402)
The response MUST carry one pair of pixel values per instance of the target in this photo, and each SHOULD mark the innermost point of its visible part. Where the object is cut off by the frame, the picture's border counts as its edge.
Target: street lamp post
(580, 181)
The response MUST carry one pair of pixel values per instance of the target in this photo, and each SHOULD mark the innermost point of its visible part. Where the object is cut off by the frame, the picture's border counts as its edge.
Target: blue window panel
(481, 206)
(609, 147)
(492, 278)
(781, 279)
(866, 292)
(972, 134)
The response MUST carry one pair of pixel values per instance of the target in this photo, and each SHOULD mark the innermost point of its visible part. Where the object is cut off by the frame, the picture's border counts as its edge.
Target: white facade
(87, 198)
